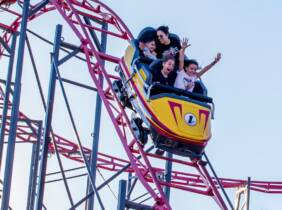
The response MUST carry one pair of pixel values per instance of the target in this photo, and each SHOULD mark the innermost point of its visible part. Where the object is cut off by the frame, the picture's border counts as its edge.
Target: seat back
(200, 88)
(157, 89)
(147, 33)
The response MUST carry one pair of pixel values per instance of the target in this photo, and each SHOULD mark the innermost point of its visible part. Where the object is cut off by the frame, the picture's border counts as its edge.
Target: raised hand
(184, 43)
(217, 58)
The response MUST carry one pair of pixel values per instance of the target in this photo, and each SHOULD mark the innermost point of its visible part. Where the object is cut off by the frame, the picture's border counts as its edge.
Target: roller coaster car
(179, 121)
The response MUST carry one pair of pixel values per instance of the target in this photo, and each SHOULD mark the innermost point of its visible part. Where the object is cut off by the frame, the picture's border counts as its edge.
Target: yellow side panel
(172, 112)
(129, 55)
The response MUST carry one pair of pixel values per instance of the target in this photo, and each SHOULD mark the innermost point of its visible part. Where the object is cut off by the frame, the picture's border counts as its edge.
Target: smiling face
(191, 69)
(151, 45)
(163, 37)
(168, 66)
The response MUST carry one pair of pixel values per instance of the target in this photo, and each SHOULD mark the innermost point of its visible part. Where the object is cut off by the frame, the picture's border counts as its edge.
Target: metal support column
(96, 133)
(7, 95)
(248, 194)
(29, 206)
(218, 181)
(168, 169)
(108, 180)
(48, 117)
(121, 195)
(129, 185)
(34, 170)
(45, 107)
(15, 111)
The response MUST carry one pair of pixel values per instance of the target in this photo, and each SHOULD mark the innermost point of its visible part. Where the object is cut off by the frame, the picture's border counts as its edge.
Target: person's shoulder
(180, 73)
(154, 71)
(156, 64)
(173, 74)
(174, 38)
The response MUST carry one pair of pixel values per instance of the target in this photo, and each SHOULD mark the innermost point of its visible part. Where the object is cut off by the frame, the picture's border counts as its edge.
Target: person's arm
(184, 45)
(208, 67)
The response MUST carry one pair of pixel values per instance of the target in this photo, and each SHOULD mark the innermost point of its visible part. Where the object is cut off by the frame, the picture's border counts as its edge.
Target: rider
(187, 73)
(166, 74)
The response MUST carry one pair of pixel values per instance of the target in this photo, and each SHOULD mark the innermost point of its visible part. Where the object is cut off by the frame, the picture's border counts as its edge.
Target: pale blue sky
(245, 86)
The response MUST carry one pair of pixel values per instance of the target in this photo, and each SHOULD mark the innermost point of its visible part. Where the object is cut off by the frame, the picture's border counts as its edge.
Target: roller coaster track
(75, 13)
(180, 180)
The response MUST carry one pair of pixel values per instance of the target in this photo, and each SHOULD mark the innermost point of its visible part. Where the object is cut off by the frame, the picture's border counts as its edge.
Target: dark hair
(147, 34)
(148, 40)
(187, 63)
(167, 57)
(164, 29)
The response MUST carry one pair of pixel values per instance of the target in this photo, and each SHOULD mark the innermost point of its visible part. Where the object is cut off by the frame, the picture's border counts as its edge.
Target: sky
(245, 86)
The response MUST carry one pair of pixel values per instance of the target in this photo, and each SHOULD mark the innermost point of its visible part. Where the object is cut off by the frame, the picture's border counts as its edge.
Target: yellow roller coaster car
(179, 121)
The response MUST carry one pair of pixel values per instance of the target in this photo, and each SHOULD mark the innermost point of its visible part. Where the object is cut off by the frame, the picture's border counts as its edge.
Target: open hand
(184, 43)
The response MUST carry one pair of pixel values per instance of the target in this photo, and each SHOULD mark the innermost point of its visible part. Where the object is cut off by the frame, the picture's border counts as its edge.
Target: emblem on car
(190, 119)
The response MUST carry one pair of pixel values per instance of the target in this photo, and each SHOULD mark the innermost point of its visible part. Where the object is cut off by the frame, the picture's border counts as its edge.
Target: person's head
(151, 44)
(163, 35)
(191, 67)
(148, 33)
(168, 64)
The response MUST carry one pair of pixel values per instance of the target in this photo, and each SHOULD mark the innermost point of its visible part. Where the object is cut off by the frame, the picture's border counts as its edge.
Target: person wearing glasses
(187, 74)
(167, 42)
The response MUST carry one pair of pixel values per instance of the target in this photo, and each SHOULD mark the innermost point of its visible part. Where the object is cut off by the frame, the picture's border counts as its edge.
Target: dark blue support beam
(38, 7)
(63, 45)
(85, 159)
(218, 181)
(34, 169)
(97, 120)
(45, 107)
(29, 206)
(137, 206)
(15, 111)
(108, 180)
(121, 195)
(79, 84)
(168, 169)
(129, 185)
(94, 37)
(7, 95)
(130, 190)
(48, 118)
(69, 56)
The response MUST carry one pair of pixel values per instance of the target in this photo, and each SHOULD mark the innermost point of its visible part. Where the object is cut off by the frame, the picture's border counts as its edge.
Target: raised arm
(208, 67)
(184, 45)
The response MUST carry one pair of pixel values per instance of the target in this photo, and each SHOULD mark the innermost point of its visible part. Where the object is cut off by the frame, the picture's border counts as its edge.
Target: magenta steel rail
(73, 12)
